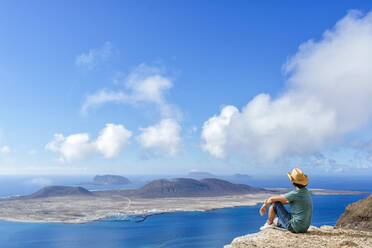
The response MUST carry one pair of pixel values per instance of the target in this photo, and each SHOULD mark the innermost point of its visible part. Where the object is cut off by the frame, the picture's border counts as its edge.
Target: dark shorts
(283, 216)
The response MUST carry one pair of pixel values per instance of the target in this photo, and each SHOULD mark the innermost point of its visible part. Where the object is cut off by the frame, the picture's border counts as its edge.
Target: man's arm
(277, 198)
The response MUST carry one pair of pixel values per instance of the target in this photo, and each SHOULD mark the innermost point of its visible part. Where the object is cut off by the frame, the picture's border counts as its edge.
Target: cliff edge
(325, 236)
(353, 229)
(357, 215)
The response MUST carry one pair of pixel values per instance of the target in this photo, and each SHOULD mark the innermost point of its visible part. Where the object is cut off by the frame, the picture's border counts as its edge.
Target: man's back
(301, 206)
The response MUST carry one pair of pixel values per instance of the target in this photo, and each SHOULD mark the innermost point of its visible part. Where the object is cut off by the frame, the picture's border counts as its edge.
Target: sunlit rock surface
(325, 236)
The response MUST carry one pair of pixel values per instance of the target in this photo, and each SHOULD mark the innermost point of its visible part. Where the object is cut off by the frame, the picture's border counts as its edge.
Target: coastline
(84, 209)
(88, 209)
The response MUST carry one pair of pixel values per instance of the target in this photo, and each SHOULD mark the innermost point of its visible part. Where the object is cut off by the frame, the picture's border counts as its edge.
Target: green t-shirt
(301, 209)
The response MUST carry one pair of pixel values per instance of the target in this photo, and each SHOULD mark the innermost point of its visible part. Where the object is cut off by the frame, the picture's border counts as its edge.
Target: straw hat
(298, 177)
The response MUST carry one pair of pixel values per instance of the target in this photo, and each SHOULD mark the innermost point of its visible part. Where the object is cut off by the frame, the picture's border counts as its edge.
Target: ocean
(172, 230)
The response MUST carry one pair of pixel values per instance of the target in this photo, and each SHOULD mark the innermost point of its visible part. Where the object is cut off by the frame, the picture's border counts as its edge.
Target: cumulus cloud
(78, 146)
(145, 85)
(94, 56)
(5, 149)
(163, 137)
(75, 146)
(215, 131)
(112, 139)
(329, 91)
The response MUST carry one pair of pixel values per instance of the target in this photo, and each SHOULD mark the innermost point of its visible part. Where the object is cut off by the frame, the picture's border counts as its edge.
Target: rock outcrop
(357, 215)
(323, 237)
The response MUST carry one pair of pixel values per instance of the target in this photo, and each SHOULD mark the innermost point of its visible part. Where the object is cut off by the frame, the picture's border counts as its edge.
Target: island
(187, 187)
(108, 180)
(78, 205)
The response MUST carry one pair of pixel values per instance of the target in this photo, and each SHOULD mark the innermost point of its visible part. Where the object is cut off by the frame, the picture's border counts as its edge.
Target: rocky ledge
(325, 236)
(353, 229)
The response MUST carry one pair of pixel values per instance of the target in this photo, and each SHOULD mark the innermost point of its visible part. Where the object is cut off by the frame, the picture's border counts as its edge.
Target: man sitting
(299, 200)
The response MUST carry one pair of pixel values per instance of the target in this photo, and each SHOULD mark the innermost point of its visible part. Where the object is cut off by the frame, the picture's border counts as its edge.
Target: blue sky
(201, 56)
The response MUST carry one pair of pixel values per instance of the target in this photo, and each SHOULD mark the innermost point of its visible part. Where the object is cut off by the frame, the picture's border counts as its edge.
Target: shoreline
(84, 209)
(143, 213)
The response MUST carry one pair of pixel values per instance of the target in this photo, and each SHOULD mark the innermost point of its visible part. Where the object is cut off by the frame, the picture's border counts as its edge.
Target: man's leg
(283, 216)
(271, 214)
(276, 221)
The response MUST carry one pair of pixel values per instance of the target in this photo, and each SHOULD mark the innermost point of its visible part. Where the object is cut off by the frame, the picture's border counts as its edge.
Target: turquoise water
(173, 230)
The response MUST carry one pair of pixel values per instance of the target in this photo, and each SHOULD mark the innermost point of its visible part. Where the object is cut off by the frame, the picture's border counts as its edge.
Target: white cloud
(103, 96)
(329, 91)
(162, 137)
(94, 56)
(215, 132)
(5, 149)
(75, 146)
(112, 139)
(145, 85)
(78, 146)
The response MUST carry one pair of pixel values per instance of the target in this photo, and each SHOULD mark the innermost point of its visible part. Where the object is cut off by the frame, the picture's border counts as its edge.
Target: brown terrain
(357, 215)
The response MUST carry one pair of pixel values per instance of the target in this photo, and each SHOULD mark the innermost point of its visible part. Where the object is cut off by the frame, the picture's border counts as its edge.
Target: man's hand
(280, 198)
